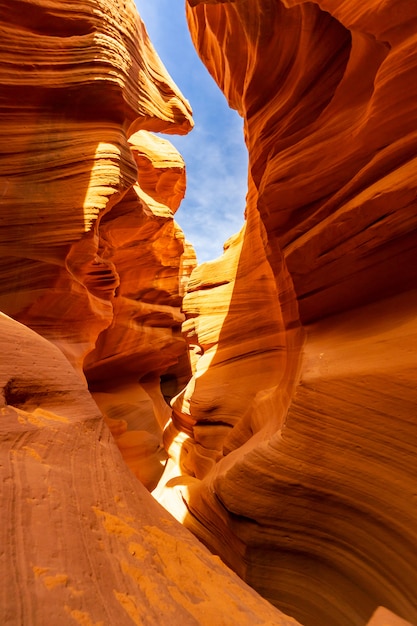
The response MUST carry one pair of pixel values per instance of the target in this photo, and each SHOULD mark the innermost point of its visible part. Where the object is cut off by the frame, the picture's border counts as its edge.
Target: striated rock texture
(139, 238)
(77, 81)
(292, 450)
(92, 260)
(294, 446)
(82, 541)
(91, 257)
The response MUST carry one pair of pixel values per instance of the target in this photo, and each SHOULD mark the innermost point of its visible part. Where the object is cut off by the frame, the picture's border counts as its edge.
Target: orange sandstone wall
(292, 448)
(296, 437)
(82, 541)
(91, 257)
(78, 80)
(92, 260)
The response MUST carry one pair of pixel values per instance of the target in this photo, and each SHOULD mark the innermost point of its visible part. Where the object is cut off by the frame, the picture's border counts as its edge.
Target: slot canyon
(226, 443)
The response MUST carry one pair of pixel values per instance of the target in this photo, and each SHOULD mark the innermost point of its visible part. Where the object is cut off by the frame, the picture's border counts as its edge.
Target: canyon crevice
(266, 398)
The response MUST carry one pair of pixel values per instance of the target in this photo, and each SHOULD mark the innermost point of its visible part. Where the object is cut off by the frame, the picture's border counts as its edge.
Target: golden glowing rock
(293, 447)
(91, 257)
(82, 540)
(77, 79)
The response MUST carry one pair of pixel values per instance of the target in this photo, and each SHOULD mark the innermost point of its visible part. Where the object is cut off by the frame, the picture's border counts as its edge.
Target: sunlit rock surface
(291, 453)
(77, 80)
(91, 257)
(92, 260)
(293, 448)
(383, 617)
(82, 541)
(147, 250)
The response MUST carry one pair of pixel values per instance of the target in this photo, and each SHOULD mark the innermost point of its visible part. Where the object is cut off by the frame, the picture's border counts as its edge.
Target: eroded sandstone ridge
(92, 260)
(292, 450)
(82, 541)
(91, 257)
(296, 437)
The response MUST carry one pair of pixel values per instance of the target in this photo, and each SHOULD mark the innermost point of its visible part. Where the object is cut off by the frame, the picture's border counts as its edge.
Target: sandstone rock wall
(296, 438)
(91, 257)
(92, 260)
(82, 541)
(77, 81)
(292, 450)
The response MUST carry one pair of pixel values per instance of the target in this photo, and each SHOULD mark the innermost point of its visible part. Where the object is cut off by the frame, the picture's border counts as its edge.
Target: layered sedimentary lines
(291, 450)
(82, 540)
(77, 79)
(331, 135)
(92, 259)
(297, 461)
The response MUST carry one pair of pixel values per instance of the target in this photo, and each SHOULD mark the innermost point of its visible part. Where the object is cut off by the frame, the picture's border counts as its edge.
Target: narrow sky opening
(214, 152)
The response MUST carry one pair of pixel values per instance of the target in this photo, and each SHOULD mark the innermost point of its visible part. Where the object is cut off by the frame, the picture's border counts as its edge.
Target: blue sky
(214, 152)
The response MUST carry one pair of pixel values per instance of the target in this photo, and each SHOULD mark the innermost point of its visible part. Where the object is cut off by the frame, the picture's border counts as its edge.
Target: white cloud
(216, 160)
(214, 152)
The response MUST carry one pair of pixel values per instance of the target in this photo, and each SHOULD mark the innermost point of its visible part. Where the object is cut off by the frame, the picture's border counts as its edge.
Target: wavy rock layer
(83, 542)
(77, 80)
(92, 260)
(296, 438)
(91, 257)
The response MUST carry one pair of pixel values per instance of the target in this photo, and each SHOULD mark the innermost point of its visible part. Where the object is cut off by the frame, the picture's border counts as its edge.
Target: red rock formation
(91, 257)
(139, 238)
(93, 261)
(82, 541)
(77, 80)
(292, 449)
(298, 461)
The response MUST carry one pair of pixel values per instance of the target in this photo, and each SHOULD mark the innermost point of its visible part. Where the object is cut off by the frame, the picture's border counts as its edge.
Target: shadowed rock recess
(289, 447)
